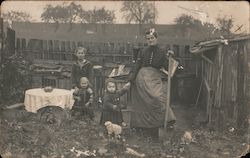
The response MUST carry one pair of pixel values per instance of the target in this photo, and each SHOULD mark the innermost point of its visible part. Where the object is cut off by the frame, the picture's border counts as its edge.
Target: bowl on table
(48, 89)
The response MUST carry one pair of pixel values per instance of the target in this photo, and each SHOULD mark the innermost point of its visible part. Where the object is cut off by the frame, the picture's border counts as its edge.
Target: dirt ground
(53, 133)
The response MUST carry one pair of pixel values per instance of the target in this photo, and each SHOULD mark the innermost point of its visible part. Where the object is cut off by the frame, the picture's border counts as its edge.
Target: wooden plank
(168, 92)
(207, 59)
(198, 96)
(208, 102)
(209, 108)
(207, 85)
(17, 105)
(219, 79)
(218, 96)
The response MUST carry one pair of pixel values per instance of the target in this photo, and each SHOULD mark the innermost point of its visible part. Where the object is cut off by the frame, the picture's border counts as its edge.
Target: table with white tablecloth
(37, 98)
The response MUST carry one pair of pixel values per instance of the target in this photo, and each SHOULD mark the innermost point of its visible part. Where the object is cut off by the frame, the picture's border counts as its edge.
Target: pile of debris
(52, 69)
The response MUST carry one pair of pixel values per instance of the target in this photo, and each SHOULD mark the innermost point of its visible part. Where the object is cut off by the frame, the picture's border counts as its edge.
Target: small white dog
(113, 128)
(187, 138)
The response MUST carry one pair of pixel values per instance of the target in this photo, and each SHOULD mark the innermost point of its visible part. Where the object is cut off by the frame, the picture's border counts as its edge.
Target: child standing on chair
(111, 103)
(83, 97)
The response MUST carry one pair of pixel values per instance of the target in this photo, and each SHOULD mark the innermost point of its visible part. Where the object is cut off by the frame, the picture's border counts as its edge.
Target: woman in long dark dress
(148, 97)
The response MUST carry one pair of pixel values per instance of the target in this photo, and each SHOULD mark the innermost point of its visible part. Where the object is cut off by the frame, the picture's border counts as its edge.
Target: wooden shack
(225, 73)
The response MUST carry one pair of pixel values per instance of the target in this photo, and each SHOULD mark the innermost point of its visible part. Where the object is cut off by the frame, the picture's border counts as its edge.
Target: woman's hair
(80, 49)
(151, 31)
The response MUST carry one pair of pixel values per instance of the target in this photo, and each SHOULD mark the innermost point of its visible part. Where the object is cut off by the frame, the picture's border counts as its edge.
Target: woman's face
(151, 40)
(111, 87)
(81, 54)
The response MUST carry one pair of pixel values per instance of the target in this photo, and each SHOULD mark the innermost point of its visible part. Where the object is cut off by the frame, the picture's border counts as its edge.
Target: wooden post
(167, 136)
(218, 95)
(168, 91)
(1, 41)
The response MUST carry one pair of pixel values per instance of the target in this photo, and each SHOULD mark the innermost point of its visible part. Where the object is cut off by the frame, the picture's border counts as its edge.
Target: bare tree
(62, 14)
(57, 14)
(74, 12)
(141, 12)
(187, 22)
(18, 16)
(101, 16)
(225, 24)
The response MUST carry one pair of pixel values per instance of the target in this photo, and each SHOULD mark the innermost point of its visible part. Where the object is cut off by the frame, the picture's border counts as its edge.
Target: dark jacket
(153, 56)
(111, 99)
(85, 71)
(110, 114)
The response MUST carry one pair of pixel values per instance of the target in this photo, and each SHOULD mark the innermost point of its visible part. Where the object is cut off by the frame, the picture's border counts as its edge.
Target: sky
(206, 11)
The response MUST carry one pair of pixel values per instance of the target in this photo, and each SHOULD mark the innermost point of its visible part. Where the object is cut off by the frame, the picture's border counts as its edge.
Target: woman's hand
(170, 52)
(76, 89)
(77, 98)
(114, 107)
(164, 71)
(87, 104)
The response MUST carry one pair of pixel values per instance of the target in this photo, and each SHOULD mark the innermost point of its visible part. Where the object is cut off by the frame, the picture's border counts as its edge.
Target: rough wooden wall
(227, 81)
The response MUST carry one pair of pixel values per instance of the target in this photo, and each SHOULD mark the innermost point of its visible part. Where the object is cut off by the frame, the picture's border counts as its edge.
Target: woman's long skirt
(149, 100)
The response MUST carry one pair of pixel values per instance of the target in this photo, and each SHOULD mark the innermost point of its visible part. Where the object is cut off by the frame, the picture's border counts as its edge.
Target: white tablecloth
(38, 98)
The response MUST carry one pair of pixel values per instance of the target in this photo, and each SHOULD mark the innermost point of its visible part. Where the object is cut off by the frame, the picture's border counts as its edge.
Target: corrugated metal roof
(211, 44)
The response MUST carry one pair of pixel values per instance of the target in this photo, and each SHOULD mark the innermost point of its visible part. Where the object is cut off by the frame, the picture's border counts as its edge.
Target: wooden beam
(207, 85)
(17, 105)
(207, 59)
(209, 107)
(168, 92)
(208, 102)
(198, 96)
